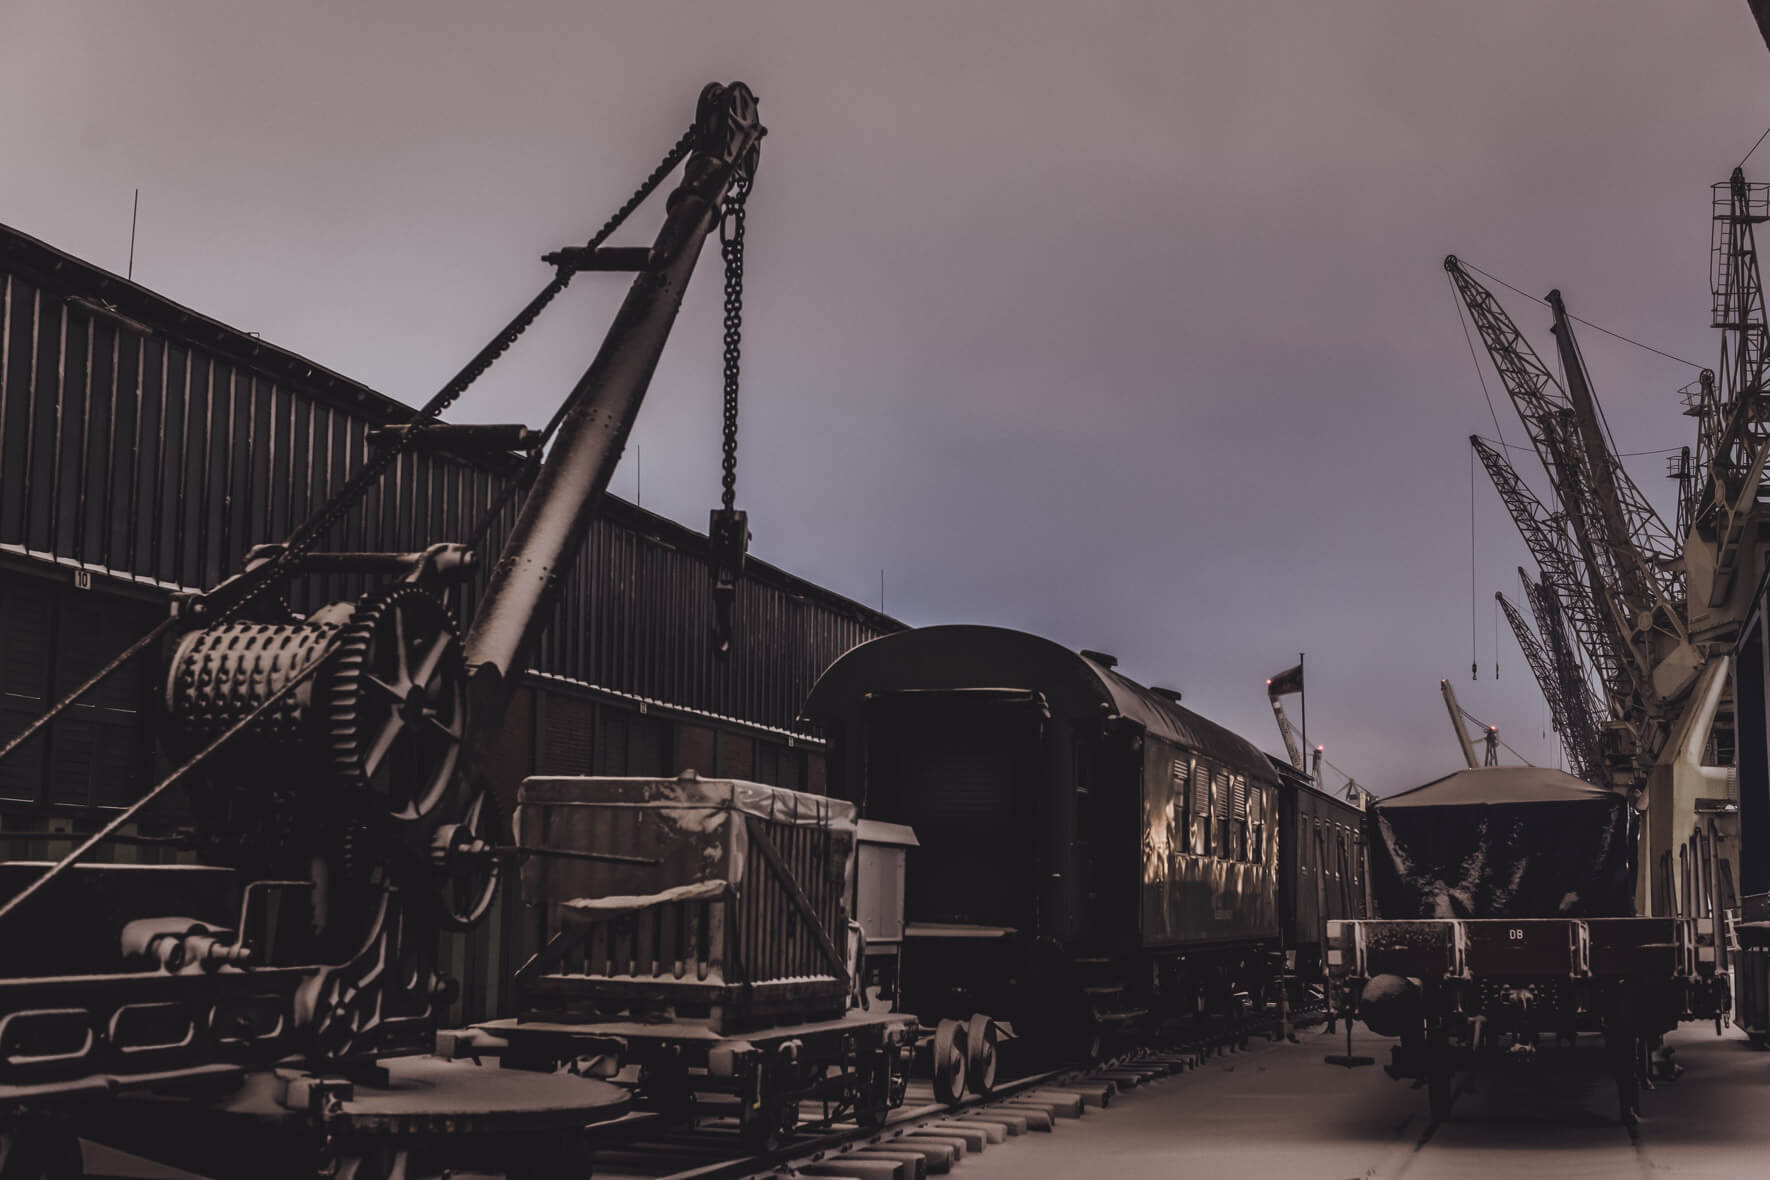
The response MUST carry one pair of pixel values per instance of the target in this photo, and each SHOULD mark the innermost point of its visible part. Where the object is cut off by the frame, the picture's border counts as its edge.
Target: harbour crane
(1490, 735)
(1584, 713)
(1546, 535)
(1290, 735)
(1568, 698)
(1733, 418)
(1611, 568)
(1629, 557)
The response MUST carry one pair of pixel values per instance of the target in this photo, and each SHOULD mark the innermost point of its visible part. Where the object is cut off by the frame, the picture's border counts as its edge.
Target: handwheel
(980, 1056)
(466, 860)
(950, 1060)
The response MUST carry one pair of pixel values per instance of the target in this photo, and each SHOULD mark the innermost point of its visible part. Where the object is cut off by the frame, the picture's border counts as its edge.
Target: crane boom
(1290, 736)
(598, 415)
(1546, 535)
(1542, 667)
(1642, 549)
(1578, 715)
(1622, 544)
(1456, 722)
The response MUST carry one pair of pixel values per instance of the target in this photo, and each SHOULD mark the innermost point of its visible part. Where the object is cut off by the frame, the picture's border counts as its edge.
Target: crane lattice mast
(1733, 419)
(1546, 535)
(1580, 716)
(1636, 542)
(1619, 556)
(1541, 668)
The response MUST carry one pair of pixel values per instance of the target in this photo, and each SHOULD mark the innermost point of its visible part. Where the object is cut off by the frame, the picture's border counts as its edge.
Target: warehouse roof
(105, 294)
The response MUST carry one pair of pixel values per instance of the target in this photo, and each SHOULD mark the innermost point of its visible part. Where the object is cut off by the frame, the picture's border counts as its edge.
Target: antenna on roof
(134, 213)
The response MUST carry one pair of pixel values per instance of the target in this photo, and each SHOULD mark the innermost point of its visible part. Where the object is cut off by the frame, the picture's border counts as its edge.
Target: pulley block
(728, 540)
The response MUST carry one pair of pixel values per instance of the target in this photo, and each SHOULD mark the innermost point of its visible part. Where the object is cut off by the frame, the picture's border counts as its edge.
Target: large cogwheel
(395, 699)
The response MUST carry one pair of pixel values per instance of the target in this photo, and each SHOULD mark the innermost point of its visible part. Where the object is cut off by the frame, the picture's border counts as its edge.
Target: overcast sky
(1122, 323)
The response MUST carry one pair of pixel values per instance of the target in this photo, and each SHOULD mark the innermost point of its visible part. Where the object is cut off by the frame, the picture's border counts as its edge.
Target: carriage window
(1177, 791)
(1220, 845)
(1198, 808)
(1238, 817)
(1256, 825)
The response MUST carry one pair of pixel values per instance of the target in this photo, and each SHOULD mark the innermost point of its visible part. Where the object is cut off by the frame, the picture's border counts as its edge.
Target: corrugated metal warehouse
(144, 448)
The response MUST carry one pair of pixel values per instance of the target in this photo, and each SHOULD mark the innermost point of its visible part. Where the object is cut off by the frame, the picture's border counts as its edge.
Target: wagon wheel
(765, 1132)
(33, 1152)
(1625, 1053)
(872, 1101)
(980, 1055)
(949, 1061)
(1439, 1094)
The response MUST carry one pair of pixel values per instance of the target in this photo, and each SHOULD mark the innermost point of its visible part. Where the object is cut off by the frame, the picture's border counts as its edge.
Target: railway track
(923, 1137)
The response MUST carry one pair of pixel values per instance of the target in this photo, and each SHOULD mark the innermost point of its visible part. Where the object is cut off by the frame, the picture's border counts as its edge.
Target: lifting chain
(731, 248)
(728, 530)
(334, 510)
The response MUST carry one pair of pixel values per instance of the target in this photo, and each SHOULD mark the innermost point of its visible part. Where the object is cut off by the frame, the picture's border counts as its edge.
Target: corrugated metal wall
(144, 441)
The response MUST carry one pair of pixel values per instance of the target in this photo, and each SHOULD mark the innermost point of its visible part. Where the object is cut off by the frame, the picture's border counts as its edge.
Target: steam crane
(338, 769)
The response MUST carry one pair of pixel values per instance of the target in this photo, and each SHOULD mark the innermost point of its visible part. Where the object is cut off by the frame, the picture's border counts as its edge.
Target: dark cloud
(1120, 322)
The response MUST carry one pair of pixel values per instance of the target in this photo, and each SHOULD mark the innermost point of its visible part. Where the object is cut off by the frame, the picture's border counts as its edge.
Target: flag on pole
(1286, 682)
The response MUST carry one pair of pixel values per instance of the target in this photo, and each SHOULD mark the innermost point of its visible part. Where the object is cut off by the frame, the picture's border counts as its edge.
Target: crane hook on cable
(728, 529)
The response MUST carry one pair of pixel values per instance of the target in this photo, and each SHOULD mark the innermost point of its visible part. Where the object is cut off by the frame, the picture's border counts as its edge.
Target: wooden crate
(741, 915)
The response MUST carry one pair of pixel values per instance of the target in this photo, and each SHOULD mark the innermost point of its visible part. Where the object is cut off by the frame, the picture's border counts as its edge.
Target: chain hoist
(728, 530)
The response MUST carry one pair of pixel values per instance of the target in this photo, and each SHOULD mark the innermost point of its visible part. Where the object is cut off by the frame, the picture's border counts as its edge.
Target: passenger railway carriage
(1088, 852)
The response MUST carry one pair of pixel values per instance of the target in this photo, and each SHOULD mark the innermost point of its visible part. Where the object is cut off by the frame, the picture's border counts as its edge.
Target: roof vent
(1167, 694)
(1101, 658)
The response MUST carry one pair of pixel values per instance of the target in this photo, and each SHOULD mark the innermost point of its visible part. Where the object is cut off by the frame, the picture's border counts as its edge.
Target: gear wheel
(395, 701)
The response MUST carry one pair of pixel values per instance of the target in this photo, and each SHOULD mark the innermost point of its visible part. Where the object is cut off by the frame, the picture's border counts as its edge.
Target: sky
(1123, 323)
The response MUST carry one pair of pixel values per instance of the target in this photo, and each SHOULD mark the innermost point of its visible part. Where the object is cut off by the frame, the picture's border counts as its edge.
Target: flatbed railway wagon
(707, 949)
(1507, 937)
